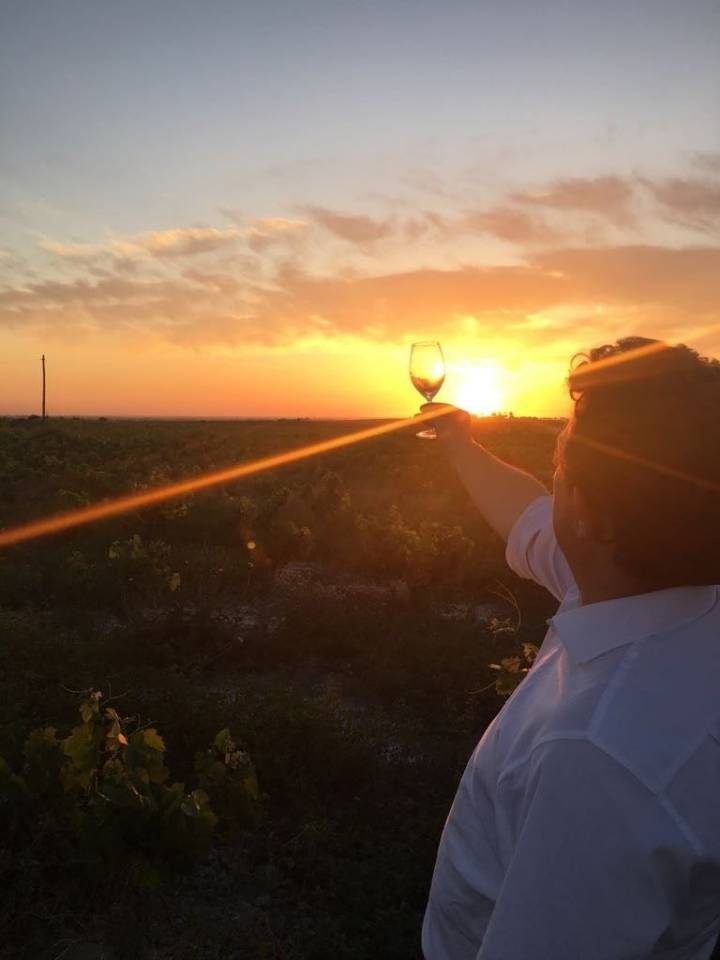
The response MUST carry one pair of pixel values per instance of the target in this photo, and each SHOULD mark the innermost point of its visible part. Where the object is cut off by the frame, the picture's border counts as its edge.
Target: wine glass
(427, 372)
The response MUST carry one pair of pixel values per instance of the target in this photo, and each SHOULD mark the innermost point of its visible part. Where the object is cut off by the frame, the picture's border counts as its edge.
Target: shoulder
(532, 550)
(661, 706)
(571, 784)
(567, 760)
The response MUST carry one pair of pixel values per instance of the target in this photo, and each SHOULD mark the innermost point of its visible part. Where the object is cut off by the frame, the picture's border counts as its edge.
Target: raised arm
(500, 491)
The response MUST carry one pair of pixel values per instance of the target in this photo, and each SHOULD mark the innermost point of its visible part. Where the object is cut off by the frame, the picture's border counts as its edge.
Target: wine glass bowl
(427, 373)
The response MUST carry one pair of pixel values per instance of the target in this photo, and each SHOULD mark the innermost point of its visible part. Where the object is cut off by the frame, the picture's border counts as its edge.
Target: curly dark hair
(643, 444)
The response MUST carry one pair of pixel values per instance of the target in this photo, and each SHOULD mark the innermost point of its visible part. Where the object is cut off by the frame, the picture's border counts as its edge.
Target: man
(587, 823)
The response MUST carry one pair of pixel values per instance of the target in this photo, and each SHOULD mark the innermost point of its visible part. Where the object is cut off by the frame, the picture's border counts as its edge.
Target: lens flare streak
(75, 518)
(111, 508)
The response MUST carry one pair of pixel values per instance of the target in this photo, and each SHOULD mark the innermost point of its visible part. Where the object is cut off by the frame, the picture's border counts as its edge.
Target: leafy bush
(361, 675)
(102, 796)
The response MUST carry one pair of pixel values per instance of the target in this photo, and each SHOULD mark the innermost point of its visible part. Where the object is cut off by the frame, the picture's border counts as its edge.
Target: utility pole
(43, 370)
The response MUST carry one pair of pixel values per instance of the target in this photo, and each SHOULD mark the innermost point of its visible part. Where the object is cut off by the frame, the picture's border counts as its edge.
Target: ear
(589, 523)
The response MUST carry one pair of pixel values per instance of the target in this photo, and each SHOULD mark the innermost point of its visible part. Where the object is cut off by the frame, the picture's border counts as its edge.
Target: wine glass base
(427, 434)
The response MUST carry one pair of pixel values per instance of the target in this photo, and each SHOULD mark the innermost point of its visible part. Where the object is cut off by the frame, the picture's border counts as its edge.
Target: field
(337, 619)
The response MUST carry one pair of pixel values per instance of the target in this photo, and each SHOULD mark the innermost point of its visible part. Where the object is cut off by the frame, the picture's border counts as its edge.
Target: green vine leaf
(153, 740)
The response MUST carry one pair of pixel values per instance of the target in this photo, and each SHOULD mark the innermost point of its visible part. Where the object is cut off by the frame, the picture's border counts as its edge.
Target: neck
(597, 586)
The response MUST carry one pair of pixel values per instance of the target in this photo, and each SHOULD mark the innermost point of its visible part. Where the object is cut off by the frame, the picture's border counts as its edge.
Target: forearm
(500, 491)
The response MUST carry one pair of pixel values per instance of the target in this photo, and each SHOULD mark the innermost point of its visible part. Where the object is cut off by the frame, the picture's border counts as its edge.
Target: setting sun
(478, 390)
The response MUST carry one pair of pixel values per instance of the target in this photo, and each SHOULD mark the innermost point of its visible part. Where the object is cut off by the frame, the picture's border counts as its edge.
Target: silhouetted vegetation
(336, 621)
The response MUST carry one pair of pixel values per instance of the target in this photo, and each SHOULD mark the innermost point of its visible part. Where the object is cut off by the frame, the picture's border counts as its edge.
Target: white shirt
(587, 823)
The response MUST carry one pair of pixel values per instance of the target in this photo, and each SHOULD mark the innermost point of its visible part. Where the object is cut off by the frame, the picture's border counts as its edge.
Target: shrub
(102, 796)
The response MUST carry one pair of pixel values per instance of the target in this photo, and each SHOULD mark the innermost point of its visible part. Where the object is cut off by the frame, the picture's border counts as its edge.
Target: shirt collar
(591, 630)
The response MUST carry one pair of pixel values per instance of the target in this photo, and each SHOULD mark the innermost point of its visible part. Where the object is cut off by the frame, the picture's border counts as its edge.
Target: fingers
(452, 424)
(438, 407)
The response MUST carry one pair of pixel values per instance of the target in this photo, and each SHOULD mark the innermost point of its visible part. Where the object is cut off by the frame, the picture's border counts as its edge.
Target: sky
(247, 209)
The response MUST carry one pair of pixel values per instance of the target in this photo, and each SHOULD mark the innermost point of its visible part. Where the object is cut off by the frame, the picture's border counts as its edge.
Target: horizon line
(264, 419)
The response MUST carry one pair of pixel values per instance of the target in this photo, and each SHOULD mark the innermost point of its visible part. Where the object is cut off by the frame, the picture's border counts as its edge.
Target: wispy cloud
(689, 201)
(179, 242)
(163, 244)
(609, 196)
(683, 279)
(250, 225)
(272, 281)
(269, 231)
(510, 224)
(355, 228)
(233, 215)
(709, 162)
(205, 307)
(73, 251)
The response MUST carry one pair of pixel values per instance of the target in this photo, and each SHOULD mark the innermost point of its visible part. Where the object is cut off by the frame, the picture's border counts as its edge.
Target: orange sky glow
(240, 241)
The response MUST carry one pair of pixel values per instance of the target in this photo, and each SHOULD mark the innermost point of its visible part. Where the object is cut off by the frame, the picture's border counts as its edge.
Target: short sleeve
(598, 868)
(533, 553)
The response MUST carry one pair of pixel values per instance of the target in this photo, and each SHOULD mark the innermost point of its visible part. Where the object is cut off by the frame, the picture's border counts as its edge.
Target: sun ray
(111, 508)
(478, 390)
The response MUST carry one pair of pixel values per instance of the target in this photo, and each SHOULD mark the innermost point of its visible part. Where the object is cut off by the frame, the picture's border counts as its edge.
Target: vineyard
(231, 725)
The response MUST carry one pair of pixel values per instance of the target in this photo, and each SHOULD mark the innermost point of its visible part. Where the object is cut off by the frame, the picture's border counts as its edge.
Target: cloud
(685, 279)
(175, 245)
(161, 244)
(355, 228)
(233, 215)
(505, 223)
(73, 251)
(689, 201)
(683, 282)
(272, 230)
(511, 224)
(180, 242)
(261, 225)
(609, 196)
(193, 309)
(56, 294)
(389, 306)
(707, 162)
(527, 219)
(620, 286)
(205, 285)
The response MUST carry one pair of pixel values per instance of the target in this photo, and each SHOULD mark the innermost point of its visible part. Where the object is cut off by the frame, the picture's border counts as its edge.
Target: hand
(452, 426)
